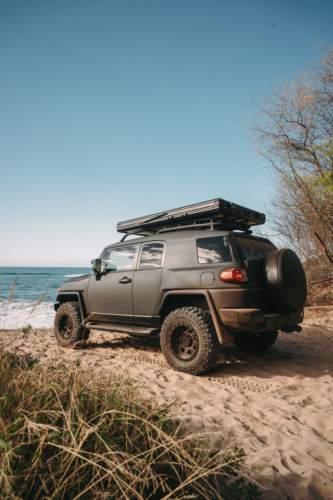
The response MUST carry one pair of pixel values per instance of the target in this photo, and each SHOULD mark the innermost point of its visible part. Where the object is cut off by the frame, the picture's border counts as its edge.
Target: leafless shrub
(292, 132)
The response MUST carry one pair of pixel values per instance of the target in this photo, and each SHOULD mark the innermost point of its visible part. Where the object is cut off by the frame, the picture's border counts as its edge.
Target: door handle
(125, 280)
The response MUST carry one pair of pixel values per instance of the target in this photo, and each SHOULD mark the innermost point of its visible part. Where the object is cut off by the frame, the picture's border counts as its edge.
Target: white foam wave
(71, 275)
(18, 314)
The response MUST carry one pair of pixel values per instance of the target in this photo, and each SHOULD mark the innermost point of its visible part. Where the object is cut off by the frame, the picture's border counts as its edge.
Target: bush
(69, 433)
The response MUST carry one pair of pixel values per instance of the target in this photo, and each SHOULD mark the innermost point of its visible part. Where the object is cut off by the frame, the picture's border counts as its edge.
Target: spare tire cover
(286, 281)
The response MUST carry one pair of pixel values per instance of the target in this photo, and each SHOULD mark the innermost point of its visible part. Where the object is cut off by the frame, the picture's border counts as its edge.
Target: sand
(277, 405)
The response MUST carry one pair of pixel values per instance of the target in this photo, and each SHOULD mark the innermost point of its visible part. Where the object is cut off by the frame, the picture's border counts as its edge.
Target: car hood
(79, 283)
(77, 278)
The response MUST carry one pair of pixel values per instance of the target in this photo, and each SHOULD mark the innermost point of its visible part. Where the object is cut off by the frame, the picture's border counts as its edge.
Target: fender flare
(223, 335)
(80, 300)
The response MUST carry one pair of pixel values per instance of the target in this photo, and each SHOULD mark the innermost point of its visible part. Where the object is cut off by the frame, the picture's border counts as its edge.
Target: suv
(197, 277)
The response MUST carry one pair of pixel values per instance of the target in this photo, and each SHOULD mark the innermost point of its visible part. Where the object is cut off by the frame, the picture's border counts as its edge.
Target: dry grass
(69, 434)
(320, 294)
(39, 301)
(9, 300)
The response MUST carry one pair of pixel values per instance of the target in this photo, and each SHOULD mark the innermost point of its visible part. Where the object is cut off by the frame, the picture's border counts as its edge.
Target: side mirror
(96, 265)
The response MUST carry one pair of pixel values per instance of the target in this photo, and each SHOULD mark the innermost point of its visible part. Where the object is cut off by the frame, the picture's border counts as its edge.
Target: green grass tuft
(69, 434)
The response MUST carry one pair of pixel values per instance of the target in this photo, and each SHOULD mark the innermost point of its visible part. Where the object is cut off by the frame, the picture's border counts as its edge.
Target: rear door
(147, 279)
(255, 251)
(110, 295)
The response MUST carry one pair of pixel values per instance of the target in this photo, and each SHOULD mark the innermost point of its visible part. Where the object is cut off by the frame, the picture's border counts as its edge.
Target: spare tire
(286, 283)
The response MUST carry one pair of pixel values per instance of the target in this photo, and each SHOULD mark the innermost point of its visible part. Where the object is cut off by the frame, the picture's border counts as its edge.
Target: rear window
(255, 249)
(216, 249)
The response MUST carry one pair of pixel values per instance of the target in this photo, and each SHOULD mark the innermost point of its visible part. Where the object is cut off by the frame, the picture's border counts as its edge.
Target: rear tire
(251, 342)
(189, 341)
(68, 327)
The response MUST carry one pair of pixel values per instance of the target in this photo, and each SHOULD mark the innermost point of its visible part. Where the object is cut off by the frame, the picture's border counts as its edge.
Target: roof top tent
(218, 213)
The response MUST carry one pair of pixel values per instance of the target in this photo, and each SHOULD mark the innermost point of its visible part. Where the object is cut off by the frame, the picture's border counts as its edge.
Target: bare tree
(292, 131)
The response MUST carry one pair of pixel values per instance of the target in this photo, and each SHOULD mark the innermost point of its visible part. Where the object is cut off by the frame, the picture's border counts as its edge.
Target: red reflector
(233, 275)
(271, 326)
(59, 290)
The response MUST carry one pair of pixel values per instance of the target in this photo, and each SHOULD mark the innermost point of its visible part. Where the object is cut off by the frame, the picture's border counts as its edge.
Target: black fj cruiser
(194, 275)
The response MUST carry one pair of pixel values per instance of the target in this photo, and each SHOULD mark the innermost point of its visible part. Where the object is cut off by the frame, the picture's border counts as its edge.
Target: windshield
(255, 249)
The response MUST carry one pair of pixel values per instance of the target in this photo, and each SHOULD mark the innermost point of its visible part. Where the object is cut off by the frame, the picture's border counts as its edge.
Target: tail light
(236, 275)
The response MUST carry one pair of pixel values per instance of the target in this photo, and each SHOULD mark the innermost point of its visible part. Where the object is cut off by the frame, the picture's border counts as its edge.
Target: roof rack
(218, 213)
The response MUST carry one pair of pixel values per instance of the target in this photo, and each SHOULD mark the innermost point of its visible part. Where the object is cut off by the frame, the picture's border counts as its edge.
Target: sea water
(31, 283)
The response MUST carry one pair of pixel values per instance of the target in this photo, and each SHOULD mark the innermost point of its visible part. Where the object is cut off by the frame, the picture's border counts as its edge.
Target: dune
(277, 405)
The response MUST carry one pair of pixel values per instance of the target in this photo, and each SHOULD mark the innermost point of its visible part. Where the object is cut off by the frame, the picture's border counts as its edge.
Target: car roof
(174, 236)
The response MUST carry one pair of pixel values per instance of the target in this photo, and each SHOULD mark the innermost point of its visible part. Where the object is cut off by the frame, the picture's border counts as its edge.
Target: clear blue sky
(114, 109)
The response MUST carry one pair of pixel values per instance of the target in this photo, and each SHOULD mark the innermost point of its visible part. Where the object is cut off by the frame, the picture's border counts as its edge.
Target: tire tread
(80, 333)
(204, 322)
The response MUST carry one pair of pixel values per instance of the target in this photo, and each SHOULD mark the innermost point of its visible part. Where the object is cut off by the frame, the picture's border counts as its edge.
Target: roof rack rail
(131, 234)
(212, 226)
(217, 213)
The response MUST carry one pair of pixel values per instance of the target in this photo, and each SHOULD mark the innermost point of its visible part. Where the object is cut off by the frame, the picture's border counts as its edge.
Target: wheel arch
(72, 297)
(194, 298)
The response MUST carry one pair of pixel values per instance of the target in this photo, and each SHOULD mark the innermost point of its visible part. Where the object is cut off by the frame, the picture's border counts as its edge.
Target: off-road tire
(251, 342)
(68, 328)
(200, 325)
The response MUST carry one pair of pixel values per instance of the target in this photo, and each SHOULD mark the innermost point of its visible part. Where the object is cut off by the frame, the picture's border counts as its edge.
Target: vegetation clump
(292, 132)
(66, 433)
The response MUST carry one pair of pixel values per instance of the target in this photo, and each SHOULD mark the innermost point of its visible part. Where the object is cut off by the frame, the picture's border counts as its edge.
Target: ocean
(31, 283)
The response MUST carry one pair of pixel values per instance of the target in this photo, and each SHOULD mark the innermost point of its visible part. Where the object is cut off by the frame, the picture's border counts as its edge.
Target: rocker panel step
(121, 329)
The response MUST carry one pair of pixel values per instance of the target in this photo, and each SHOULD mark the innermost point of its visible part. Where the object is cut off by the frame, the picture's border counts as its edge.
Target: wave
(40, 274)
(19, 314)
(72, 275)
(31, 274)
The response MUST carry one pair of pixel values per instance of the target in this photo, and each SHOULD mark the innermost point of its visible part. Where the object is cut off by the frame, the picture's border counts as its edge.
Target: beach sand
(278, 405)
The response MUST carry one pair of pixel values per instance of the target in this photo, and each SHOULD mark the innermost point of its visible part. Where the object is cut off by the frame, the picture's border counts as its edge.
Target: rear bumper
(253, 320)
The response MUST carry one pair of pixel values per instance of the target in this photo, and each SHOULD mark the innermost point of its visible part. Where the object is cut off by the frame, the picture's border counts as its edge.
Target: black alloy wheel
(189, 341)
(65, 327)
(68, 328)
(184, 341)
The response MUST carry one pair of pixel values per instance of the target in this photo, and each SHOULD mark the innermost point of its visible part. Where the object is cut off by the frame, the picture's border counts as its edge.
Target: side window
(151, 255)
(254, 249)
(117, 259)
(216, 249)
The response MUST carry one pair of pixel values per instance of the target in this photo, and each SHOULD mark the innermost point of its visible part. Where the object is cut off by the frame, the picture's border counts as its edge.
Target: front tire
(251, 342)
(68, 328)
(189, 341)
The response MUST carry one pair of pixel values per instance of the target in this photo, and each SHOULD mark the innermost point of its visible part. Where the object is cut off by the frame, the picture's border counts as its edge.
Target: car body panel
(109, 299)
(146, 286)
(143, 300)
